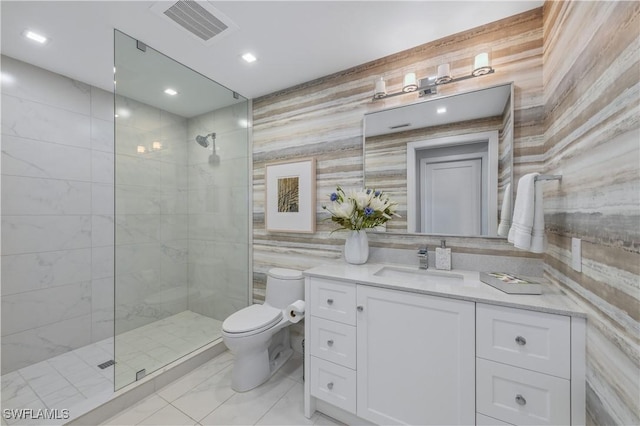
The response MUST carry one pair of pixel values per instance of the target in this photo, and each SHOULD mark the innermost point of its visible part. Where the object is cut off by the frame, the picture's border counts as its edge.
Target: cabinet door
(415, 358)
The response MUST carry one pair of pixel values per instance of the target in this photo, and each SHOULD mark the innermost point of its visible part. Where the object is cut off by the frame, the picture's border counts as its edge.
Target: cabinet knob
(520, 399)
(329, 301)
(330, 342)
(360, 308)
(330, 385)
(521, 340)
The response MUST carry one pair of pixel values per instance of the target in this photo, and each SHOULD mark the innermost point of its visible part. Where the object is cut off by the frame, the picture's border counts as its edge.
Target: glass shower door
(181, 209)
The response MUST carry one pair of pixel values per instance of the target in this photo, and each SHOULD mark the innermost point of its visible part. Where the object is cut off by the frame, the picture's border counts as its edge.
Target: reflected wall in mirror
(448, 161)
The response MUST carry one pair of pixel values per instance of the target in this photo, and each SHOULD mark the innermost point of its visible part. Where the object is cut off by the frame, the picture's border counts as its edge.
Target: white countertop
(457, 284)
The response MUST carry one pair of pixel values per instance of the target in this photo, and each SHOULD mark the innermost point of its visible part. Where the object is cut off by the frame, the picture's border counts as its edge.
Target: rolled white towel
(523, 213)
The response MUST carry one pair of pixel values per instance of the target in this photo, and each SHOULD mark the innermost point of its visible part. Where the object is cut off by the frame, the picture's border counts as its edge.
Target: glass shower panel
(181, 209)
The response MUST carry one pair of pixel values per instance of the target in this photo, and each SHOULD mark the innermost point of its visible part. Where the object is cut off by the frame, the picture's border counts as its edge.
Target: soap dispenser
(443, 256)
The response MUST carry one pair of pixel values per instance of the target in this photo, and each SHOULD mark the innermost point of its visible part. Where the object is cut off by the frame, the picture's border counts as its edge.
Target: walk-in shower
(124, 249)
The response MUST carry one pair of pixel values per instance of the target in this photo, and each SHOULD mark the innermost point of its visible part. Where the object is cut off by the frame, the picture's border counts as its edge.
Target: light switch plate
(576, 254)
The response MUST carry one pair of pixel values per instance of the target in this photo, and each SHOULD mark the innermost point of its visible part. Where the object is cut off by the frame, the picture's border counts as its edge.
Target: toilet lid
(285, 274)
(252, 318)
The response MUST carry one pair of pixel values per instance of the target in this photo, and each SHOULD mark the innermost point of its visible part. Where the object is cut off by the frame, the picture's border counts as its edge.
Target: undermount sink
(418, 275)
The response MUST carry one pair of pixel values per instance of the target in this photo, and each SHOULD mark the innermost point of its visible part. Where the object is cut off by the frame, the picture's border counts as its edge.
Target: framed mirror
(447, 161)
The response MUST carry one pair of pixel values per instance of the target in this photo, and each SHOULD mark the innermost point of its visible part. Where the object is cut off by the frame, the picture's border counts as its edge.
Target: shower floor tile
(73, 381)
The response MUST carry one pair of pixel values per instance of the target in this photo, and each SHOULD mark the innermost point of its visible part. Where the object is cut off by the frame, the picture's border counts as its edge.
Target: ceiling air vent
(199, 18)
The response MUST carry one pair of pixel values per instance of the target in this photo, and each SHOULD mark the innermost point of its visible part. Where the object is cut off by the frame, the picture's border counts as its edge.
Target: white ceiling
(295, 41)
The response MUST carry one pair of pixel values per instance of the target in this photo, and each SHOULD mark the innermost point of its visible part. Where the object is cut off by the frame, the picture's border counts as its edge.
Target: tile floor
(73, 380)
(204, 397)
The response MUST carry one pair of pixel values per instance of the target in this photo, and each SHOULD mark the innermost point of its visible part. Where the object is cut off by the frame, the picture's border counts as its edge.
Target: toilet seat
(252, 320)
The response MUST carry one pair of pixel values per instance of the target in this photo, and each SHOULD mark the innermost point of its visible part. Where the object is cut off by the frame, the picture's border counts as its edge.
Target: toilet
(258, 335)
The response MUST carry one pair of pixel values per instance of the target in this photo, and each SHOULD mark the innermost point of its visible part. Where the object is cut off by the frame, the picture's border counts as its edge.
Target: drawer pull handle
(521, 340)
(329, 301)
(330, 385)
(360, 308)
(520, 400)
(330, 342)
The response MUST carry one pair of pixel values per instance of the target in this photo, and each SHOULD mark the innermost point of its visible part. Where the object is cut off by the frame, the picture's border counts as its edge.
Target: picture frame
(290, 196)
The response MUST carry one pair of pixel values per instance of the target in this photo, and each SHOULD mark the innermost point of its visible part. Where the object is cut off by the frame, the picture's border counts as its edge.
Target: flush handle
(521, 340)
(330, 342)
(330, 385)
(360, 308)
(520, 400)
(329, 301)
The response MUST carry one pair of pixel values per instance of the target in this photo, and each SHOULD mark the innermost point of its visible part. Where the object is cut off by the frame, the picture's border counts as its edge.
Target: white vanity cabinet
(524, 367)
(415, 362)
(388, 356)
(442, 354)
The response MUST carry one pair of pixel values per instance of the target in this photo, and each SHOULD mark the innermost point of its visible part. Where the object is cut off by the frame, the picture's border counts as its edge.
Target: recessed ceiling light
(441, 110)
(35, 36)
(170, 92)
(249, 57)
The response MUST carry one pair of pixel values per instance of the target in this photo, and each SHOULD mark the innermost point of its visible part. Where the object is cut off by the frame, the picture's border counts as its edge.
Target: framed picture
(290, 191)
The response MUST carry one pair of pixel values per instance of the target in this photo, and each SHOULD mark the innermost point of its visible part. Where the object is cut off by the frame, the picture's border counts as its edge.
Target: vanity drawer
(333, 341)
(518, 396)
(333, 383)
(534, 340)
(333, 300)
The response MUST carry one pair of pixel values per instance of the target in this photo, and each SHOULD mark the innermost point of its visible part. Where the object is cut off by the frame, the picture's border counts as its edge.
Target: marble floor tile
(168, 415)
(289, 410)
(181, 386)
(246, 408)
(207, 396)
(207, 389)
(138, 412)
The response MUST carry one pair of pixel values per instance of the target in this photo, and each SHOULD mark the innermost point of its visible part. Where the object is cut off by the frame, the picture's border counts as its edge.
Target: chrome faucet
(423, 257)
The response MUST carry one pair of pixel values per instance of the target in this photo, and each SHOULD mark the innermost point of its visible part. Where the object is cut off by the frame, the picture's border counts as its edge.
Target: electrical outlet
(576, 254)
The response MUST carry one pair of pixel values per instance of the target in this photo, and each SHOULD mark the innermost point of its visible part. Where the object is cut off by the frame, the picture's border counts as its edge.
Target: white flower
(344, 210)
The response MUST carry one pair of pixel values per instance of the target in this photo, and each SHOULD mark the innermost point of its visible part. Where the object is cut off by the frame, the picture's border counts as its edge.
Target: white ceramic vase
(356, 247)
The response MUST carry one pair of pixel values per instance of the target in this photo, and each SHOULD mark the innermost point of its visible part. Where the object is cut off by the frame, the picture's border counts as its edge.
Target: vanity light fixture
(428, 86)
(35, 36)
(481, 65)
(410, 83)
(171, 92)
(380, 89)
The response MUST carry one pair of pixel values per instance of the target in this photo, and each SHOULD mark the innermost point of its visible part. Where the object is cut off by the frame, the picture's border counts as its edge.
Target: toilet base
(251, 369)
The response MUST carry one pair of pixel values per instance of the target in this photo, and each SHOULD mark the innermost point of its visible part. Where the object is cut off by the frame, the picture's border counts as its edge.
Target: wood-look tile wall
(581, 121)
(323, 119)
(592, 106)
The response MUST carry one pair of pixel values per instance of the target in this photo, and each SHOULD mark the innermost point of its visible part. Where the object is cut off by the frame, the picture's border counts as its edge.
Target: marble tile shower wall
(57, 214)
(592, 109)
(151, 214)
(218, 213)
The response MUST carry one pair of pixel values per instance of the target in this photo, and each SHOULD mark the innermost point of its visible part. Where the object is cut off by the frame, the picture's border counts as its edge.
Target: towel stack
(527, 229)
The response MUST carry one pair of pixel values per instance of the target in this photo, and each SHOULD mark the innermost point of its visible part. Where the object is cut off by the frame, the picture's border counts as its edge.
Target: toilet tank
(284, 286)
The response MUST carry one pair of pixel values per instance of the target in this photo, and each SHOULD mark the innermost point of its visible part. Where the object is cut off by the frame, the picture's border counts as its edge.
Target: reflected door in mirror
(451, 201)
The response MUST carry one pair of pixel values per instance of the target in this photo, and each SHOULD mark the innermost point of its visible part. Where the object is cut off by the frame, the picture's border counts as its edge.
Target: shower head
(202, 140)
